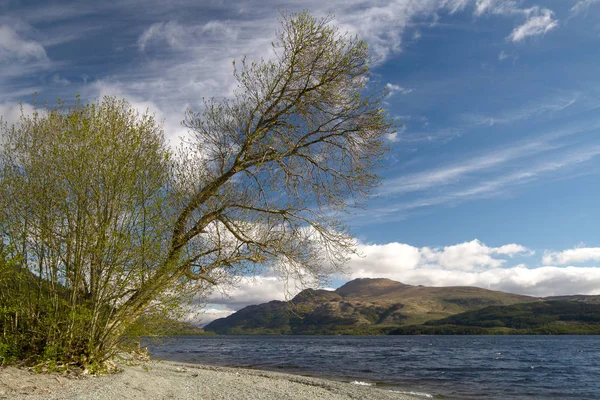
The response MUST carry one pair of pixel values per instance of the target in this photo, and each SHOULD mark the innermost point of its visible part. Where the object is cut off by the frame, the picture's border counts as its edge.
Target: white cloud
(201, 65)
(582, 6)
(383, 260)
(540, 107)
(485, 175)
(57, 79)
(182, 62)
(506, 56)
(439, 183)
(11, 112)
(529, 174)
(500, 7)
(511, 249)
(161, 30)
(394, 89)
(210, 313)
(180, 36)
(255, 290)
(576, 255)
(449, 174)
(15, 48)
(541, 22)
(20, 56)
(247, 291)
(466, 256)
(472, 264)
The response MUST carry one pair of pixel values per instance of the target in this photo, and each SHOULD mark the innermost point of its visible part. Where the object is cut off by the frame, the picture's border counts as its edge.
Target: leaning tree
(262, 181)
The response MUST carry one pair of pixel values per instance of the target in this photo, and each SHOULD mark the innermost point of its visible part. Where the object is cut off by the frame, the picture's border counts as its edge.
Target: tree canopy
(104, 224)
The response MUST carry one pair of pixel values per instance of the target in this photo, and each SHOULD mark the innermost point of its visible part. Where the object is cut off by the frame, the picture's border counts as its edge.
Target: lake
(450, 367)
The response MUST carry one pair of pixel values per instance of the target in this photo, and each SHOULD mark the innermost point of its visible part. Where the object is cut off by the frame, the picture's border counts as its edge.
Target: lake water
(449, 367)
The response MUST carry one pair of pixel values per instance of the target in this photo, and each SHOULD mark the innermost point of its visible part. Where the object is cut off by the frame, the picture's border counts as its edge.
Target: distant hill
(361, 306)
(541, 317)
(577, 297)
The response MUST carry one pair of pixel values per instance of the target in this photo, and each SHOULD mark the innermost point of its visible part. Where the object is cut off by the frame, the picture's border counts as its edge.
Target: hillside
(361, 306)
(541, 317)
(577, 297)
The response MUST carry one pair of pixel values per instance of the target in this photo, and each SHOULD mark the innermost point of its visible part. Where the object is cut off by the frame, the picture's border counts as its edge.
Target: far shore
(173, 380)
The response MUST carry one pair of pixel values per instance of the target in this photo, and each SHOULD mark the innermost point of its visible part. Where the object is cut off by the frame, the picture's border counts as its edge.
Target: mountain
(361, 306)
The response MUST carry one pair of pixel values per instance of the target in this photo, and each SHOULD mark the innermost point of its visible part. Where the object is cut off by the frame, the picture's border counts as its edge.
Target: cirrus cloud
(583, 5)
(539, 24)
(13, 47)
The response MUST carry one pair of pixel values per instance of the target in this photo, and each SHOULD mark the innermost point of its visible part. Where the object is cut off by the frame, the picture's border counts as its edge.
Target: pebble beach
(172, 380)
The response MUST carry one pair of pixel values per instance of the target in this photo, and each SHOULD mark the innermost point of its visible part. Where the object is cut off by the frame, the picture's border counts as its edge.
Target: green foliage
(78, 187)
(9, 351)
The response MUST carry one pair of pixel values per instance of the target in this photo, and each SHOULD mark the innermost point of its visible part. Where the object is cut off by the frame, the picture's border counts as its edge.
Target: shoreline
(177, 380)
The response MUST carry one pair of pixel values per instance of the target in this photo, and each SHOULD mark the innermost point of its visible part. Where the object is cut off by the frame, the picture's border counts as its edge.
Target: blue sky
(493, 175)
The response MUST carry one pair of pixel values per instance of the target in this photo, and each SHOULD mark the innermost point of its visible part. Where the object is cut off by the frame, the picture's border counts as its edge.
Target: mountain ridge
(363, 305)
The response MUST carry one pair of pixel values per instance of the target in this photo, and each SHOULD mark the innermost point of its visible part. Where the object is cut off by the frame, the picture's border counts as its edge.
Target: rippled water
(453, 367)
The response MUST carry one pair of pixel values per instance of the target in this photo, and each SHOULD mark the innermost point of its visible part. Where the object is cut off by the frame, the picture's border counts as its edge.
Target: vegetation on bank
(550, 329)
(538, 318)
(104, 228)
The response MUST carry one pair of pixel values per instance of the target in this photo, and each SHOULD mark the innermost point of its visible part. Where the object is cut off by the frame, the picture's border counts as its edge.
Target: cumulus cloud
(541, 22)
(576, 255)
(247, 291)
(11, 112)
(253, 290)
(209, 314)
(465, 256)
(472, 264)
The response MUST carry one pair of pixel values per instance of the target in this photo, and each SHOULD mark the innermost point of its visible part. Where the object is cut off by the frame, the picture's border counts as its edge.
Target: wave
(361, 383)
(418, 394)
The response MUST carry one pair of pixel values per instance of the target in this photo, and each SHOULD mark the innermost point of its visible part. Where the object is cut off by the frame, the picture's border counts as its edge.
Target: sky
(492, 177)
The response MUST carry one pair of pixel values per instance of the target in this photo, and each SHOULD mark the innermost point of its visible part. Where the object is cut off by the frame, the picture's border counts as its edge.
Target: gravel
(170, 380)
